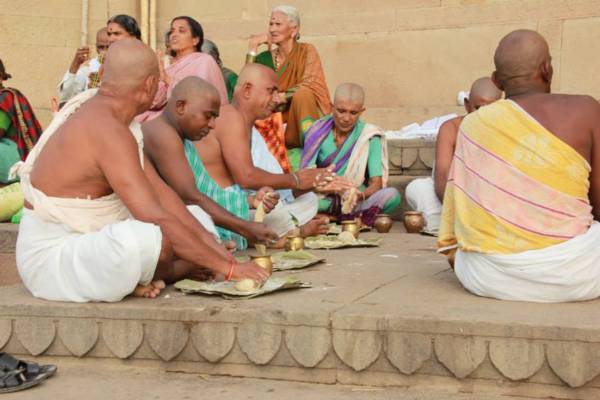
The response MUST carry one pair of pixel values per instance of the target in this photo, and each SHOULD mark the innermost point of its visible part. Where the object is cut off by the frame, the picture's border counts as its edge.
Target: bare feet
(150, 291)
(316, 226)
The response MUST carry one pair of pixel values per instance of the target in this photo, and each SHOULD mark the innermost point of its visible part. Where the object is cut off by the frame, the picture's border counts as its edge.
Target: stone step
(384, 317)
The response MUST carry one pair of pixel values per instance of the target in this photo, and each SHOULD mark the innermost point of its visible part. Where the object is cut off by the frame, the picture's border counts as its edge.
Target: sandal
(17, 375)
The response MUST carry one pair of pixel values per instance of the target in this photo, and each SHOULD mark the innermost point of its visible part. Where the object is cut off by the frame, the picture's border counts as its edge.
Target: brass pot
(414, 221)
(352, 227)
(264, 261)
(383, 223)
(294, 243)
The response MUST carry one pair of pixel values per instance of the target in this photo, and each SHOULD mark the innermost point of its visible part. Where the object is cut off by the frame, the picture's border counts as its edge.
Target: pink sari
(195, 64)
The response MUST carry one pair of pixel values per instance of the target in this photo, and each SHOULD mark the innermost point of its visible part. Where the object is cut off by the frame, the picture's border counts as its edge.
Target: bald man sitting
(222, 161)
(189, 115)
(99, 222)
(357, 151)
(524, 187)
(427, 194)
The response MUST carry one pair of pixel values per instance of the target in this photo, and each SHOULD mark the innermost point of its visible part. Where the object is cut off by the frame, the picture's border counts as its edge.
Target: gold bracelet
(250, 58)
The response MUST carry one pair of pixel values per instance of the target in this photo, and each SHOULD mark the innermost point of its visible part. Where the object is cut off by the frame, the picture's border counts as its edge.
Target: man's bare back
(571, 118)
(82, 148)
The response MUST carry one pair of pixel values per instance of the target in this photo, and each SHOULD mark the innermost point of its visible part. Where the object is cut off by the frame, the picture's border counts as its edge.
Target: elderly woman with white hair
(300, 76)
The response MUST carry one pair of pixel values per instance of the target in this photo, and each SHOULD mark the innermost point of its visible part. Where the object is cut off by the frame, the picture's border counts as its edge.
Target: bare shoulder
(230, 121)
(449, 129)
(158, 136)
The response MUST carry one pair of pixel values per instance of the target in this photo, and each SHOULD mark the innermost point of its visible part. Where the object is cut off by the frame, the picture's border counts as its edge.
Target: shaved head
(483, 91)
(522, 55)
(256, 90)
(102, 35)
(348, 106)
(193, 107)
(350, 92)
(193, 89)
(254, 73)
(128, 64)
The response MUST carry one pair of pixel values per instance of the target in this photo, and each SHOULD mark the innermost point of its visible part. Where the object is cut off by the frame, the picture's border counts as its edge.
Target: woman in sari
(185, 43)
(358, 152)
(303, 91)
(19, 131)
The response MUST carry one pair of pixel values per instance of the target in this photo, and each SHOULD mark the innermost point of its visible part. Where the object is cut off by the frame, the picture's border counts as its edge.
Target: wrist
(296, 180)
(231, 268)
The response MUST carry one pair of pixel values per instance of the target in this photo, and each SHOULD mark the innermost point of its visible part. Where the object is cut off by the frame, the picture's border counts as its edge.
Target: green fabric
(11, 201)
(9, 155)
(230, 82)
(391, 205)
(265, 58)
(373, 163)
(16, 219)
(5, 122)
(9, 152)
(233, 199)
(294, 155)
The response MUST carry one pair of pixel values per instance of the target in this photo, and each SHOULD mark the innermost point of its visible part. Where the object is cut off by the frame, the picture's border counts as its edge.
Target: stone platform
(388, 316)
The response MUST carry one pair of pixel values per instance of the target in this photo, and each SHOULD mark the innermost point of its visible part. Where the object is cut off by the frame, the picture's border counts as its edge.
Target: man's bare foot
(150, 291)
(316, 226)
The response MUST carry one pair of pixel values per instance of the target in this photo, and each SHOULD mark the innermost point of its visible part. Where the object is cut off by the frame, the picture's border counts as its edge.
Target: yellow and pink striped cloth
(513, 185)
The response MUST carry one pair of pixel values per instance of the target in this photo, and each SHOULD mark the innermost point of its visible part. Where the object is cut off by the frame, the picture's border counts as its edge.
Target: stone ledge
(370, 319)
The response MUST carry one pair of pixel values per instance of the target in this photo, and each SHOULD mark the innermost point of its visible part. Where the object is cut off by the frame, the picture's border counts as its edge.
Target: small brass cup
(264, 261)
(383, 223)
(352, 227)
(294, 243)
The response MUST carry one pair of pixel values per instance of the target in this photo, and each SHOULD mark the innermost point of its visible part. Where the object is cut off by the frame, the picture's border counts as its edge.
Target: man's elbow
(245, 181)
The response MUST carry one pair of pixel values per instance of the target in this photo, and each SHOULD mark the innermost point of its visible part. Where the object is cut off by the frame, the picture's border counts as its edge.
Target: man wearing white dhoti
(99, 222)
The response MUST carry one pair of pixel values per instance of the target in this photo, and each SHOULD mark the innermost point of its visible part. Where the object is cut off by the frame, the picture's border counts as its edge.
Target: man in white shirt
(76, 80)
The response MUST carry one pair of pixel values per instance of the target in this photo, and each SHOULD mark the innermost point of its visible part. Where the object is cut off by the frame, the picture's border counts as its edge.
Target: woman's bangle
(296, 179)
(250, 57)
(230, 273)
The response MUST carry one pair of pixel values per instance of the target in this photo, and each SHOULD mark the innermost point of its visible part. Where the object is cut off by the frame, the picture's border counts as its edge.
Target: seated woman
(185, 43)
(359, 153)
(19, 131)
(300, 77)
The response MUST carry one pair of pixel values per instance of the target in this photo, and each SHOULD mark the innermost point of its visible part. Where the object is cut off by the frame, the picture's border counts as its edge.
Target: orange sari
(303, 80)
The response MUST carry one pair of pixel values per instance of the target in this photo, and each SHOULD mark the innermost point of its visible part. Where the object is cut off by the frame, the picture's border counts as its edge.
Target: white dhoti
(287, 216)
(58, 263)
(205, 220)
(569, 271)
(420, 195)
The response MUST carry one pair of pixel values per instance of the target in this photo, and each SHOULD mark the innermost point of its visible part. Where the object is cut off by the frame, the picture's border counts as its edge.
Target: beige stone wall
(412, 56)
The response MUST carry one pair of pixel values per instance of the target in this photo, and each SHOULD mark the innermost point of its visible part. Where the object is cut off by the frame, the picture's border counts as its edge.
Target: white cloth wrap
(568, 271)
(58, 263)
